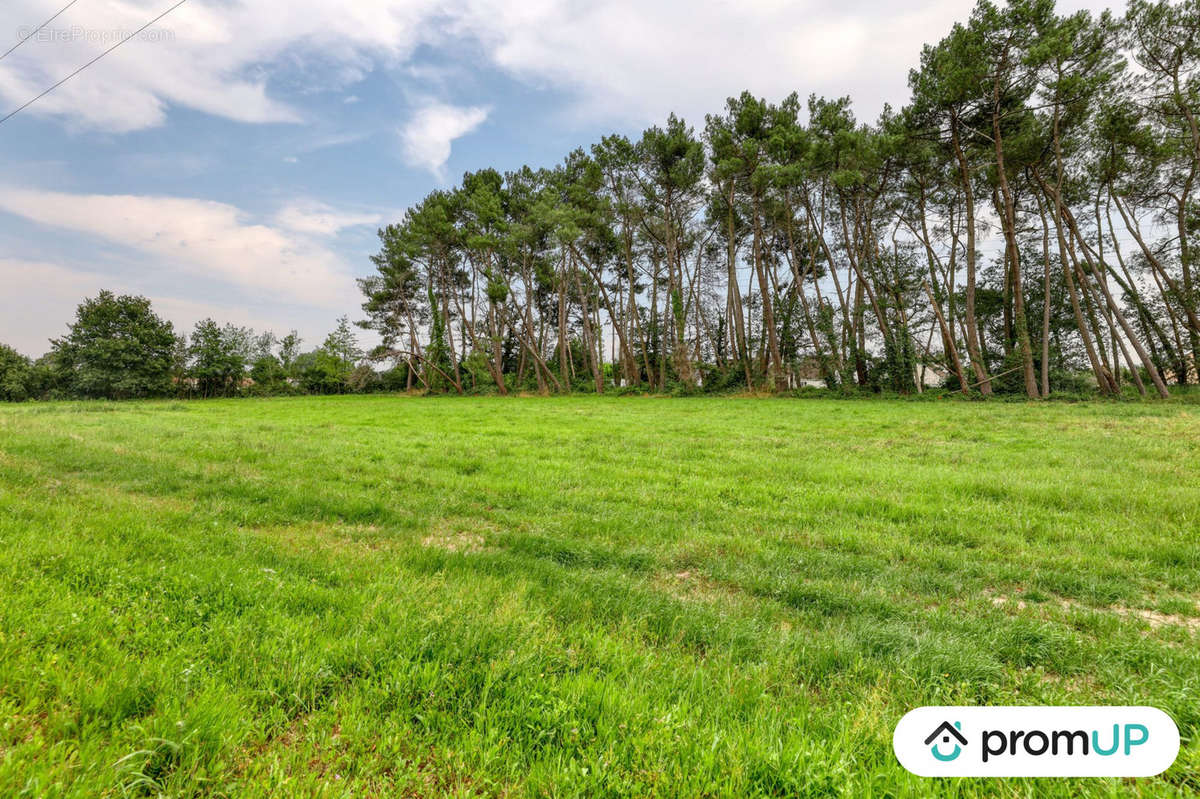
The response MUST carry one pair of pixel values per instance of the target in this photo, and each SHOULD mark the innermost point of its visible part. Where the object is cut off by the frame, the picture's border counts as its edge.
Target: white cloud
(617, 59)
(215, 56)
(633, 61)
(427, 137)
(202, 239)
(317, 218)
(193, 61)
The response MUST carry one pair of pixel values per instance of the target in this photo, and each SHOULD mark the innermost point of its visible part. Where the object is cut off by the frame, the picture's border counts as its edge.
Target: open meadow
(395, 596)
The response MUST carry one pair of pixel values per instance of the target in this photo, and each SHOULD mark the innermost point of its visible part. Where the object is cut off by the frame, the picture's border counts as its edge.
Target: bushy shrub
(396, 378)
(16, 373)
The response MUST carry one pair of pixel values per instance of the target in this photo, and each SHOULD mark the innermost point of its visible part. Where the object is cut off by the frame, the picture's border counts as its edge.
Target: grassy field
(579, 597)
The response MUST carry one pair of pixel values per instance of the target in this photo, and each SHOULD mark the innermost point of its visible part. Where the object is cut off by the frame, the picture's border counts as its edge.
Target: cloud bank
(620, 59)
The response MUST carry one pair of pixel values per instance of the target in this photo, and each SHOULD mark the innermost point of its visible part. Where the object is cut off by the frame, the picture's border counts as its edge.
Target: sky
(236, 159)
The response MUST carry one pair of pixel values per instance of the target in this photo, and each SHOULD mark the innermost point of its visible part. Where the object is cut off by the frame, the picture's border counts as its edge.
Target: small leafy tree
(289, 351)
(217, 357)
(321, 373)
(15, 375)
(117, 348)
(327, 370)
(342, 346)
(268, 374)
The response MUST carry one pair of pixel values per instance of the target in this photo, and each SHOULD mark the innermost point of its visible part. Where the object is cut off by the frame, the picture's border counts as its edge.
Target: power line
(93, 61)
(38, 29)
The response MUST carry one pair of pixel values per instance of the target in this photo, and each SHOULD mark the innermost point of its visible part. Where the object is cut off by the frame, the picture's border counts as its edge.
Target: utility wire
(38, 29)
(13, 113)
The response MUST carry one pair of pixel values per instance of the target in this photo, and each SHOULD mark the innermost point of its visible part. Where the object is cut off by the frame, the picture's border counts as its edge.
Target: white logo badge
(1036, 741)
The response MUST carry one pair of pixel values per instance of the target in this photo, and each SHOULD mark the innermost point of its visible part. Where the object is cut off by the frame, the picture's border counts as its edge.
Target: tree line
(1026, 224)
(786, 241)
(119, 348)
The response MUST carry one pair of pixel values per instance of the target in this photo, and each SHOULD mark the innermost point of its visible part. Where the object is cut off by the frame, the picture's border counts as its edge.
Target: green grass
(580, 596)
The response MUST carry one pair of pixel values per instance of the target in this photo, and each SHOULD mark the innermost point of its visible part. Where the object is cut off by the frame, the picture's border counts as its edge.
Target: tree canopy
(1029, 214)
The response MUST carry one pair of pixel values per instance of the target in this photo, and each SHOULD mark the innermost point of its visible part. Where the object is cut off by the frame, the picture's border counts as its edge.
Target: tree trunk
(973, 349)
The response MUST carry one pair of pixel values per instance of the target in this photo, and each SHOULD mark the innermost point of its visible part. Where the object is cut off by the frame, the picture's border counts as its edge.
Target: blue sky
(237, 160)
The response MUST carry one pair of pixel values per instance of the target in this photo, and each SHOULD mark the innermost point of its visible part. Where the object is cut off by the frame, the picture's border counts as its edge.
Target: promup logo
(947, 731)
(1036, 741)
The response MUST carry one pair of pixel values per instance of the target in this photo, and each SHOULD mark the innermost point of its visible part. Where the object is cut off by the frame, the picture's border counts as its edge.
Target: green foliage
(898, 367)
(322, 372)
(342, 345)
(475, 371)
(116, 348)
(16, 374)
(268, 373)
(396, 379)
(363, 379)
(217, 358)
(332, 368)
(289, 350)
(437, 354)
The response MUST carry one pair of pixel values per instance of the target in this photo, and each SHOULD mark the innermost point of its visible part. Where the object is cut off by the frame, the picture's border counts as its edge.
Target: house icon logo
(946, 731)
